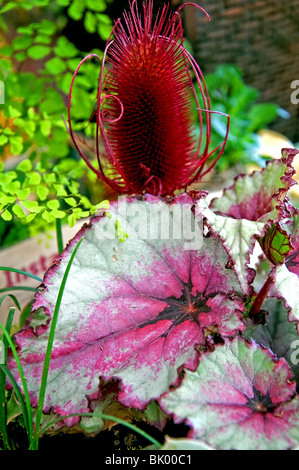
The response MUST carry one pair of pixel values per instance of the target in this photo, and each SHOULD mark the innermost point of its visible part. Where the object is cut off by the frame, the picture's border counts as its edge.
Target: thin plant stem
(13, 298)
(3, 408)
(23, 381)
(25, 273)
(19, 396)
(110, 418)
(49, 350)
(59, 236)
(260, 298)
(8, 289)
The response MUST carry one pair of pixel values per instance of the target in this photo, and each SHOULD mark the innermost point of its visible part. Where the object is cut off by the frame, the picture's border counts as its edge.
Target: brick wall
(261, 37)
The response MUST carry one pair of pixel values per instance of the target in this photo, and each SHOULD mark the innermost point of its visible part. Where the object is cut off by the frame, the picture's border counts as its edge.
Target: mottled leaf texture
(278, 334)
(185, 444)
(261, 195)
(276, 244)
(239, 237)
(240, 397)
(287, 287)
(292, 259)
(134, 308)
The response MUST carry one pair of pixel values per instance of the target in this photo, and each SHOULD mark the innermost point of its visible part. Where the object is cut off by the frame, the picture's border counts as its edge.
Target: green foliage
(36, 68)
(229, 94)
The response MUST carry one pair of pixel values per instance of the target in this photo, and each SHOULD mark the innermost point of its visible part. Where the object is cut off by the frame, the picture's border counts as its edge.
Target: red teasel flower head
(145, 107)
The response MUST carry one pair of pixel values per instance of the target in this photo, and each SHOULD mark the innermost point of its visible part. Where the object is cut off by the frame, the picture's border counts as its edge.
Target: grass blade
(13, 298)
(8, 289)
(19, 396)
(49, 349)
(110, 418)
(23, 381)
(59, 236)
(15, 270)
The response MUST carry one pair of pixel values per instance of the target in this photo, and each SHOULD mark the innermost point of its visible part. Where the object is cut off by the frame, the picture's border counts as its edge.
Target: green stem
(23, 381)
(49, 350)
(8, 289)
(3, 407)
(59, 236)
(110, 418)
(14, 270)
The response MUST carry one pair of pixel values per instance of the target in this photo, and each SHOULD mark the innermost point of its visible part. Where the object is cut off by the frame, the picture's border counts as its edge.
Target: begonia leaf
(278, 334)
(184, 444)
(292, 258)
(239, 237)
(134, 309)
(261, 195)
(240, 397)
(286, 287)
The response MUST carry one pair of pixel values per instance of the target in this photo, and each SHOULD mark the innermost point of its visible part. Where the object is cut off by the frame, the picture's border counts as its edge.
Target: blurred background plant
(231, 95)
(42, 179)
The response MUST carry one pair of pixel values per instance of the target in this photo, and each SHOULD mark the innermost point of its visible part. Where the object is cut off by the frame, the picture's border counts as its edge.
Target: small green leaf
(96, 5)
(58, 214)
(55, 66)
(71, 220)
(18, 211)
(20, 56)
(49, 178)
(23, 193)
(6, 51)
(7, 177)
(7, 7)
(47, 27)
(65, 48)
(52, 102)
(7, 131)
(42, 192)
(90, 22)
(47, 217)
(45, 127)
(25, 165)
(34, 178)
(13, 112)
(16, 144)
(3, 139)
(42, 39)
(29, 204)
(37, 209)
(22, 42)
(6, 215)
(60, 191)
(38, 51)
(30, 217)
(104, 30)
(71, 201)
(53, 204)
(75, 11)
(12, 187)
(26, 29)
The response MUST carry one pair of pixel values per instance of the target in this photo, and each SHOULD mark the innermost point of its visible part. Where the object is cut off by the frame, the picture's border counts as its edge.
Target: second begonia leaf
(240, 397)
(261, 195)
(278, 334)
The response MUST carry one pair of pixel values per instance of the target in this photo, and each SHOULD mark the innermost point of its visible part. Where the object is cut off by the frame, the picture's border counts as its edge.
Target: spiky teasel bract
(145, 107)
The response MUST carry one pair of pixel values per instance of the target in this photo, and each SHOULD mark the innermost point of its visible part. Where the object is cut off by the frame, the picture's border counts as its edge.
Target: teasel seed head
(145, 107)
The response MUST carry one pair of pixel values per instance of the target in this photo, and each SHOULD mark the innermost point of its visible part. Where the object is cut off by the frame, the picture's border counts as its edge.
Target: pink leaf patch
(260, 196)
(135, 307)
(240, 397)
